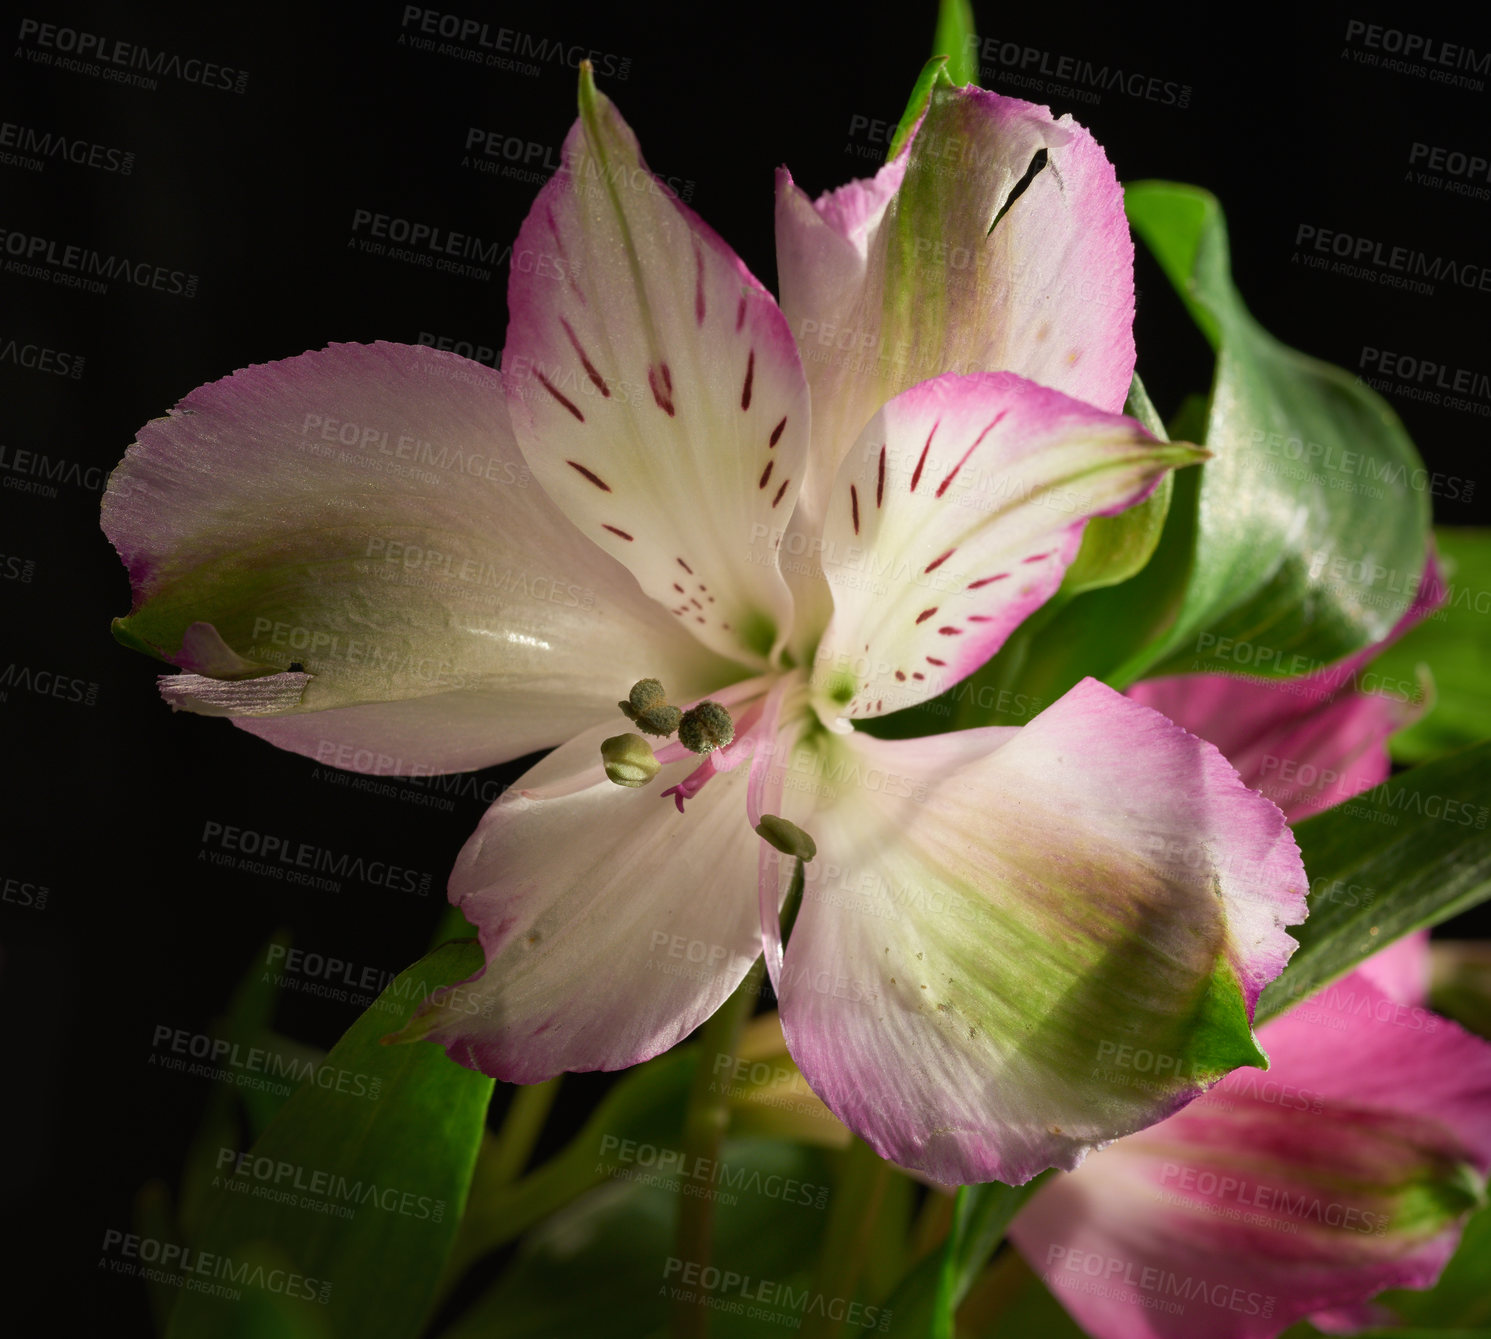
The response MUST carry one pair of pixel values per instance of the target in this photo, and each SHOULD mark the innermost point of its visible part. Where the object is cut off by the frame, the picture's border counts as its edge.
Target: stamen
(629, 761)
(705, 728)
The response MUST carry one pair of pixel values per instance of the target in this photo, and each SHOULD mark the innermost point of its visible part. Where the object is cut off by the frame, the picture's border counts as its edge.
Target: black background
(254, 192)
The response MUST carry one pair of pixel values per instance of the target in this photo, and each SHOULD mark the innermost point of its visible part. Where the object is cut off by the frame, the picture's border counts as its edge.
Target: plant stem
(851, 1221)
(521, 1127)
(704, 1126)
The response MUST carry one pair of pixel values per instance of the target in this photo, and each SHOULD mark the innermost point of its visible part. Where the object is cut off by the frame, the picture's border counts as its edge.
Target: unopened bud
(629, 760)
(705, 728)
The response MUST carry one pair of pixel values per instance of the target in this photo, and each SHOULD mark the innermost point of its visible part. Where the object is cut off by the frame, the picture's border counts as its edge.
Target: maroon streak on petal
(776, 433)
(780, 491)
(544, 381)
(745, 391)
(916, 474)
(595, 377)
(880, 480)
(663, 395)
(589, 474)
(766, 474)
(953, 473)
(926, 614)
(616, 531)
(937, 562)
(984, 581)
(854, 507)
(698, 279)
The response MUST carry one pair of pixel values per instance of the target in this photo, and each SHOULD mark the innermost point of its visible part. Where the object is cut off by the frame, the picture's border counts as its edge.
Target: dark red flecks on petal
(597, 380)
(544, 382)
(589, 474)
(776, 432)
(953, 473)
(615, 531)
(916, 474)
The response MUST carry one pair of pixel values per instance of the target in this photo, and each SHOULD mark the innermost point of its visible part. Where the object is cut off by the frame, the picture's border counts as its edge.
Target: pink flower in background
(1350, 1166)
(390, 559)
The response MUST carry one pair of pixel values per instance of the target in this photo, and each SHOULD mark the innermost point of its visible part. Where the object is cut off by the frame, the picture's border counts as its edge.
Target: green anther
(786, 836)
(705, 728)
(629, 761)
(646, 693)
(647, 708)
(662, 720)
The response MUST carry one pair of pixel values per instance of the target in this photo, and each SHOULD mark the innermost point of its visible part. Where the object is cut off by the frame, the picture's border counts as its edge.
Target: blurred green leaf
(605, 1265)
(957, 39)
(353, 1193)
(1409, 853)
(1311, 468)
(1454, 643)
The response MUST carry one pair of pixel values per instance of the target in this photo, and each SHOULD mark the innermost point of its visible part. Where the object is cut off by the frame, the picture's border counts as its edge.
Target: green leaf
(1309, 467)
(1114, 548)
(1461, 1298)
(957, 39)
(1407, 854)
(605, 1264)
(928, 1298)
(341, 1221)
(1454, 643)
(645, 1107)
(934, 72)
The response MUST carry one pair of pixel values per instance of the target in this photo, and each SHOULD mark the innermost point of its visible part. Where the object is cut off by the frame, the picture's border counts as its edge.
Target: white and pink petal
(346, 548)
(993, 914)
(955, 517)
(995, 242)
(613, 925)
(656, 390)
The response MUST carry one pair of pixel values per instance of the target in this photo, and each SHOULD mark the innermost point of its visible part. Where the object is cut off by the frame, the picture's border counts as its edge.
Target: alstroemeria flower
(1350, 1166)
(988, 910)
(1347, 1169)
